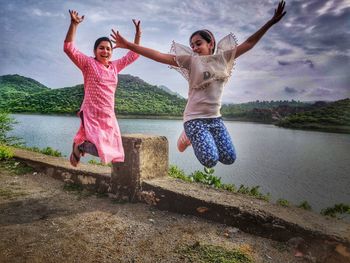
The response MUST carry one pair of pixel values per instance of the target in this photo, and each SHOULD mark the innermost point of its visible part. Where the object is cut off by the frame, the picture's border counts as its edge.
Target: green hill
(331, 117)
(133, 97)
(262, 111)
(17, 83)
(17, 87)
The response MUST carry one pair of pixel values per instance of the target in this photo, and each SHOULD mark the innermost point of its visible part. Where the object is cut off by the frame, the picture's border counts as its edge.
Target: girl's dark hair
(99, 40)
(206, 35)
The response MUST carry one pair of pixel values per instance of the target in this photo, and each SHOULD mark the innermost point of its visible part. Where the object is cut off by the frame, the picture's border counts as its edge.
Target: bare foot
(75, 156)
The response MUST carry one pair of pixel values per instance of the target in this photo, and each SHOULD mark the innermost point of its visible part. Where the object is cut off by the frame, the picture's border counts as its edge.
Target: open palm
(279, 12)
(75, 18)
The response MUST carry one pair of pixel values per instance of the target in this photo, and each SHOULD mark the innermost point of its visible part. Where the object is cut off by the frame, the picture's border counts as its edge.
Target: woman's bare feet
(75, 155)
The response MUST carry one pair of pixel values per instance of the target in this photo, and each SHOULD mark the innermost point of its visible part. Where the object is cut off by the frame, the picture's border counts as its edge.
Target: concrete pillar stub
(146, 157)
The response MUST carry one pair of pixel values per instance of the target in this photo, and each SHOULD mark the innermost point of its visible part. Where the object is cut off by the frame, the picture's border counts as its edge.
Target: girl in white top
(207, 72)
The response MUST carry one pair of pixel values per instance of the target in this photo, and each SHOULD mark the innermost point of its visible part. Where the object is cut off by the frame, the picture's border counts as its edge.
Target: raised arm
(144, 51)
(75, 20)
(253, 39)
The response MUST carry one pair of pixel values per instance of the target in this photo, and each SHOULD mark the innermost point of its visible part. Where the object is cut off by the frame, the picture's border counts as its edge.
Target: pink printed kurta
(100, 123)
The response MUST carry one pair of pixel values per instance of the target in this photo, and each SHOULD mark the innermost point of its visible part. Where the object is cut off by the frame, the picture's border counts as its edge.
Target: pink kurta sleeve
(126, 60)
(75, 55)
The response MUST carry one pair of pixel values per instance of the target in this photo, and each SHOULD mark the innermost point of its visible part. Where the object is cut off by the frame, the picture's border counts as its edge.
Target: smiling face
(200, 46)
(103, 52)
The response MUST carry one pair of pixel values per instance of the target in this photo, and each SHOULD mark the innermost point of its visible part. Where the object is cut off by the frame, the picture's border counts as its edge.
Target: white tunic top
(206, 75)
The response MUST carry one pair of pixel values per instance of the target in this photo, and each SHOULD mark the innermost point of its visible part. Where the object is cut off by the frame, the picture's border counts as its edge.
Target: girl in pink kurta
(99, 132)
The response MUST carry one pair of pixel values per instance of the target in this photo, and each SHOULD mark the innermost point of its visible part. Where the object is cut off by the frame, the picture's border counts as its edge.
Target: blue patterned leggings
(211, 141)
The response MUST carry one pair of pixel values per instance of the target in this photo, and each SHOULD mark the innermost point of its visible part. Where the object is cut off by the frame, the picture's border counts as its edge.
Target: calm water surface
(290, 164)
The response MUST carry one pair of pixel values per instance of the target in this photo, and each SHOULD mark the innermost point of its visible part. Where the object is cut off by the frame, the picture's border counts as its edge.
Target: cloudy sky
(304, 57)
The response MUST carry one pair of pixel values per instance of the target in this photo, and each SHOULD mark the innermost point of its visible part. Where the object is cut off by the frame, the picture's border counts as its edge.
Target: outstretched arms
(253, 39)
(75, 20)
(147, 52)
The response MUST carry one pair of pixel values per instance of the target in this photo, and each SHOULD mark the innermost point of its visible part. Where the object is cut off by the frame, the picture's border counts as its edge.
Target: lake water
(289, 164)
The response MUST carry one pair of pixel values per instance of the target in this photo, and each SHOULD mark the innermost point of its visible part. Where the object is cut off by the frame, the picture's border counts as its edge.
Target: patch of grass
(119, 201)
(254, 192)
(283, 202)
(16, 168)
(176, 172)
(92, 161)
(47, 151)
(336, 210)
(78, 190)
(281, 247)
(5, 152)
(9, 194)
(81, 192)
(207, 177)
(73, 187)
(305, 205)
(101, 195)
(202, 253)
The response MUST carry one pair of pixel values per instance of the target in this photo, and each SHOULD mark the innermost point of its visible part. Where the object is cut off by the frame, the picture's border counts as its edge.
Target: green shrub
(283, 202)
(337, 209)
(176, 172)
(51, 152)
(254, 192)
(6, 125)
(47, 151)
(207, 177)
(229, 187)
(305, 205)
(5, 153)
(94, 162)
(213, 254)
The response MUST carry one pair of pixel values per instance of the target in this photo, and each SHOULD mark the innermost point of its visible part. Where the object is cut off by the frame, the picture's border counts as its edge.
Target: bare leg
(88, 147)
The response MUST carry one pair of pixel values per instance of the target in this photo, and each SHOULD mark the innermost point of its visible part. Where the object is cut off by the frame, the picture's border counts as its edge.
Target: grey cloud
(293, 91)
(316, 32)
(285, 51)
(306, 49)
(278, 51)
(321, 92)
(284, 63)
(290, 90)
(307, 62)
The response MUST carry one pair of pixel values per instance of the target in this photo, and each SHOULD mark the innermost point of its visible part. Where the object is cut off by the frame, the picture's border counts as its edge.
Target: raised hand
(137, 31)
(279, 12)
(74, 17)
(137, 26)
(118, 40)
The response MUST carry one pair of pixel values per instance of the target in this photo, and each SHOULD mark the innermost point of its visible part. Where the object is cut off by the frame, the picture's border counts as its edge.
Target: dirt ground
(42, 220)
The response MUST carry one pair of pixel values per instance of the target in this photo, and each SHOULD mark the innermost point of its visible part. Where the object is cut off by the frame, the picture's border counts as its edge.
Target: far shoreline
(306, 127)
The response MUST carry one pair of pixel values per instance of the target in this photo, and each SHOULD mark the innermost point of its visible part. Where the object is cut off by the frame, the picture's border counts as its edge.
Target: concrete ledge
(249, 214)
(146, 157)
(92, 177)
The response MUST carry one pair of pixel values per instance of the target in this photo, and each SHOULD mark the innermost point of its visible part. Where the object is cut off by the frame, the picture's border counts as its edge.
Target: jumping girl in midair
(99, 132)
(207, 72)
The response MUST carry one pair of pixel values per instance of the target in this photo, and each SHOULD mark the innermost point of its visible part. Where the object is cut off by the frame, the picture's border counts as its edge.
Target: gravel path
(41, 220)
